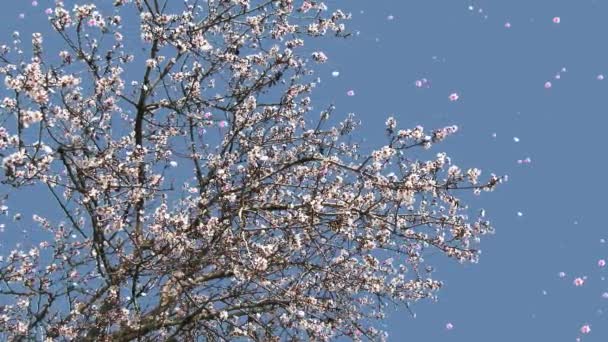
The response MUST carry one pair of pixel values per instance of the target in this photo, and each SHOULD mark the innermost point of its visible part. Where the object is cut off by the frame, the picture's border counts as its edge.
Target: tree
(208, 200)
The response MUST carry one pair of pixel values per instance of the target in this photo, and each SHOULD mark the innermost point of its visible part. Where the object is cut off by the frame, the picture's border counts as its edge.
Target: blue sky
(500, 74)
(514, 293)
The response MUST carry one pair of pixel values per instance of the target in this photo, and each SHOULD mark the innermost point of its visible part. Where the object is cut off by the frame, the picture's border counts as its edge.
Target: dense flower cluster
(199, 201)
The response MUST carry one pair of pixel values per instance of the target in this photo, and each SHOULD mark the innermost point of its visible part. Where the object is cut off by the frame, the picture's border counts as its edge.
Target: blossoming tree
(207, 199)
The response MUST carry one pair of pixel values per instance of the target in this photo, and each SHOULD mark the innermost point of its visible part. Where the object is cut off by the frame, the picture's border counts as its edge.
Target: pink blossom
(601, 263)
(454, 97)
(319, 57)
(306, 6)
(350, 93)
(585, 329)
(548, 85)
(579, 282)
(557, 20)
(449, 326)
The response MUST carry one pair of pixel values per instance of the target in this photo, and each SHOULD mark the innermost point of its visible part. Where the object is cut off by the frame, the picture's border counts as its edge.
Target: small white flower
(151, 63)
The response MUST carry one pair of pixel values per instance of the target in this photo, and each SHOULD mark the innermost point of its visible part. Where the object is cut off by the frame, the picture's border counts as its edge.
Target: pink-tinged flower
(601, 263)
(319, 57)
(151, 63)
(507, 25)
(585, 329)
(579, 282)
(306, 6)
(557, 20)
(454, 97)
(48, 11)
(222, 124)
(350, 93)
(548, 85)
(418, 84)
(600, 77)
(449, 326)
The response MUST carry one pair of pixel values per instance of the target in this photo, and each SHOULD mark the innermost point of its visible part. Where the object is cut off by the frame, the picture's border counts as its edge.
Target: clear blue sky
(500, 74)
